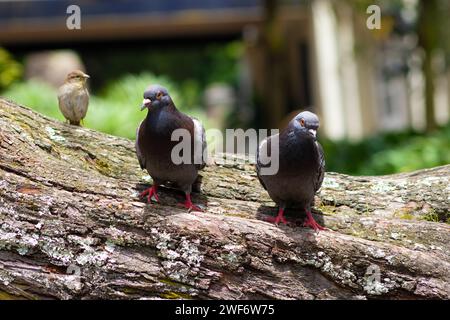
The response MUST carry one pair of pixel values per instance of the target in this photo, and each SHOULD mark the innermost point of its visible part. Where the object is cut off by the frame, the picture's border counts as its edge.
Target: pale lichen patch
(376, 252)
(14, 238)
(382, 187)
(330, 183)
(233, 255)
(429, 181)
(56, 249)
(374, 287)
(182, 258)
(5, 277)
(190, 253)
(395, 235)
(91, 256)
(53, 135)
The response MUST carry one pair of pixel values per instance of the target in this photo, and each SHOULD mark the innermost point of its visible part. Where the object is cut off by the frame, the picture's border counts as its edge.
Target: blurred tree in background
(433, 31)
(430, 25)
(275, 80)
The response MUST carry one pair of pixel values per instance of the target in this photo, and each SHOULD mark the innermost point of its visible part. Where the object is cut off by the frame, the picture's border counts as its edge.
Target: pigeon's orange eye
(302, 122)
(159, 95)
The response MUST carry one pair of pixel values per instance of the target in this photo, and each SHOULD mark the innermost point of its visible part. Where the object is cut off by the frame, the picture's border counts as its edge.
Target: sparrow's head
(307, 121)
(155, 96)
(77, 76)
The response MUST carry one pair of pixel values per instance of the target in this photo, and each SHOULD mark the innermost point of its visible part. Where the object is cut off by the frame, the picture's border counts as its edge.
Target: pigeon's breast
(158, 148)
(298, 167)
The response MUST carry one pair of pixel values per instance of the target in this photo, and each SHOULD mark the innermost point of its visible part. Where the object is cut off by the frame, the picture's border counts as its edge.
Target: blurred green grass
(114, 110)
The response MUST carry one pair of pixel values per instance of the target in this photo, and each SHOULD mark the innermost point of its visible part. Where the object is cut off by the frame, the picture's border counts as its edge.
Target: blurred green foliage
(115, 110)
(118, 84)
(10, 70)
(191, 67)
(389, 153)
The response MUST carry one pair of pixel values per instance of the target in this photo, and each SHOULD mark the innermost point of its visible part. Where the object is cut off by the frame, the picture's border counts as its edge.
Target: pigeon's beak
(313, 132)
(146, 103)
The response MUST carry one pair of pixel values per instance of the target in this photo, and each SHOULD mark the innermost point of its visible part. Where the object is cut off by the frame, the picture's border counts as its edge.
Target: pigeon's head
(77, 76)
(156, 96)
(307, 121)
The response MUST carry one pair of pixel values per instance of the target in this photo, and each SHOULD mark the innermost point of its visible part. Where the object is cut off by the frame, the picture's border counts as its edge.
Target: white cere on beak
(145, 102)
(312, 131)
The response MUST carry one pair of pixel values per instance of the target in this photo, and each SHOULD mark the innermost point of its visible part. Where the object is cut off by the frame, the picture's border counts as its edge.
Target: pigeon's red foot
(310, 222)
(150, 192)
(189, 205)
(279, 218)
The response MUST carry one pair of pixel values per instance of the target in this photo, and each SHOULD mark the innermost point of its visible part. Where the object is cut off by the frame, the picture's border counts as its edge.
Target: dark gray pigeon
(154, 145)
(301, 167)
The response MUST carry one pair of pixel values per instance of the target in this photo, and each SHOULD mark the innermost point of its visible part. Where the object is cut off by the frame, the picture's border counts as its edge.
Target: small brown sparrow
(73, 97)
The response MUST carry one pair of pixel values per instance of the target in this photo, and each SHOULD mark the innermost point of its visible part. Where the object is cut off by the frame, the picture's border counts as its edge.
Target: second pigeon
(301, 167)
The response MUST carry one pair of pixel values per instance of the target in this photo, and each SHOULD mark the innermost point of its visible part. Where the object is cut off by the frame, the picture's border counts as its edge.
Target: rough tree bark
(72, 226)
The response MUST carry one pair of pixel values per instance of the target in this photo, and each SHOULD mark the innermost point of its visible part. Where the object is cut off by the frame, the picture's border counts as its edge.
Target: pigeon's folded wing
(200, 147)
(321, 171)
(262, 158)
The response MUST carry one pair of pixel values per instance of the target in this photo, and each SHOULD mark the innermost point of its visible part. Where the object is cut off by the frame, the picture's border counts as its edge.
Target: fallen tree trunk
(72, 226)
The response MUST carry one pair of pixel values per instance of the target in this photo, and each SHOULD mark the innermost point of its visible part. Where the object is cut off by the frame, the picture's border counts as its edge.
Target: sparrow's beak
(313, 132)
(146, 103)
(86, 76)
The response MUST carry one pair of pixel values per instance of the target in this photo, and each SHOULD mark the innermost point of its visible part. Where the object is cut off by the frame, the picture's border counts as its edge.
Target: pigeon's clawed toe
(189, 205)
(279, 218)
(150, 193)
(276, 220)
(310, 222)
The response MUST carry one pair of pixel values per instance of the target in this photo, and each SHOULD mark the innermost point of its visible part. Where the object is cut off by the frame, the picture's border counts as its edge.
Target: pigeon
(301, 167)
(73, 97)
(154, 145)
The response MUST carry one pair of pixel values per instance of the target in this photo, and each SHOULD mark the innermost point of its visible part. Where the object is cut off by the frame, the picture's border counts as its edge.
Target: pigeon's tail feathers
(139, 153)
(196, 186)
